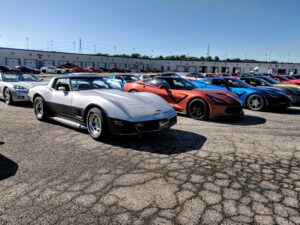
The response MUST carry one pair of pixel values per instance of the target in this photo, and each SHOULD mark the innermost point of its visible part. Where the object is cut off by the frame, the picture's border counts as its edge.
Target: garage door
(140, 66)
(180, 68)
(102, 65)
(48, 63)
(77, 63)
(12, 62)
(122, 66)
(192, 69)
(111, 65)
(61, 62)
(31, 63)
(131, 66)
(89, 64)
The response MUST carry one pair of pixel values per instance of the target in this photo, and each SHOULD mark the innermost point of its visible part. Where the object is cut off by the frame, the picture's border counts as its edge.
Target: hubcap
(7, 95)
(197, 110)
(95, 125)
(39, 109)
(256, 102)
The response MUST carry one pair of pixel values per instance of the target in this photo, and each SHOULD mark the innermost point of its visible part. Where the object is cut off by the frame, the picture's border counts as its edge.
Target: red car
(94, 70)
(185, 97)
(285, 80)
(81, 70)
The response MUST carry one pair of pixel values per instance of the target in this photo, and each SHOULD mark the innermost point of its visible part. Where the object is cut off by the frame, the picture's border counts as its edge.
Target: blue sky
(232, 28)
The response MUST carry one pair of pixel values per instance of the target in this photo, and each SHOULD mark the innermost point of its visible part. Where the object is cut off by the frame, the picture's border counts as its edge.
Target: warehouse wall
(36, 59)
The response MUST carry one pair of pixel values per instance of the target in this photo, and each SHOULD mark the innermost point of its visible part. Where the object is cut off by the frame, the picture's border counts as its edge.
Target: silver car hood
(29, 85)
(135, 105)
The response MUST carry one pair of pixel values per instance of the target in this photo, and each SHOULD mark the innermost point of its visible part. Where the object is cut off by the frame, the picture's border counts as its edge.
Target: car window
(63, 82)
(219, 82)
(129, 78)
(88, 83)
(159, 83)
(10, 77)
(29, 77)
(118, 77)
(237, 83)
(180, 84)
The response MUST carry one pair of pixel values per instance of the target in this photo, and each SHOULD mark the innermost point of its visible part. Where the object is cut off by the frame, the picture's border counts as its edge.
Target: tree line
(186, 58)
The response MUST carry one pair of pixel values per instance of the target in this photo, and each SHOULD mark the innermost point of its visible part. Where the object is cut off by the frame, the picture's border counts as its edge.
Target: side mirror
(41, 79)
(62, 88)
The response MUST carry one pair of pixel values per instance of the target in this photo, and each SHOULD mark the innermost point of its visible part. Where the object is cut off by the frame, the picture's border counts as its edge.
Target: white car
(14, 87)
(89, 102)
(51, 69)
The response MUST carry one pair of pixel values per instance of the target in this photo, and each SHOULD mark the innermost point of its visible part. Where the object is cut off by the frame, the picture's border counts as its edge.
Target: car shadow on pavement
(168, 142)
(246, 120)
(8, 168)
(292, 110)
(21, 104)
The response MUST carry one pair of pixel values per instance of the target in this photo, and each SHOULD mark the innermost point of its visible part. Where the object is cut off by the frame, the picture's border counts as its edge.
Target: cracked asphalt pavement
(244, 171)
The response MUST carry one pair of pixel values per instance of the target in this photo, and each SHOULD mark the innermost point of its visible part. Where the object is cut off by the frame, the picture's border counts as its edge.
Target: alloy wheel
(95, 125)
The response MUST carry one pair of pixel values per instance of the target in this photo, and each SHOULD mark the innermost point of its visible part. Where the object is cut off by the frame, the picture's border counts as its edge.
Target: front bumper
(123, 128)
(295, 99)
(19, 96)
(281, 102)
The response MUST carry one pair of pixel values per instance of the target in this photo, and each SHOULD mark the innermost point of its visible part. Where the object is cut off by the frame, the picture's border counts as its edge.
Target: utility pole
(95, 49)
(208, 53)
(51, 45)
(27, 39)
(74, 44)
(289, 57)
(270, 55)
(80, 45)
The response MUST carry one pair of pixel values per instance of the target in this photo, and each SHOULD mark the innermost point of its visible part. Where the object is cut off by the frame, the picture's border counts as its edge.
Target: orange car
(185, 97)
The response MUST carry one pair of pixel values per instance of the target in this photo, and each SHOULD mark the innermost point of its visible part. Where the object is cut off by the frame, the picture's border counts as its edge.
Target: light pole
(27, 39)
(51, 45)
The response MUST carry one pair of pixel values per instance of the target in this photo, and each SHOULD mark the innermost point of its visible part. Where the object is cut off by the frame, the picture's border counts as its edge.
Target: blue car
(121, 79)
(254, 98)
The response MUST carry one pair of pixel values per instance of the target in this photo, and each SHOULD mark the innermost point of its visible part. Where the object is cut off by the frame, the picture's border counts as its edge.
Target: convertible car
(258, 82)
(14, 86)
(186, 98)
(122, 78)
(287, 80)
(277, 83)
(89, 102)
(253, 98)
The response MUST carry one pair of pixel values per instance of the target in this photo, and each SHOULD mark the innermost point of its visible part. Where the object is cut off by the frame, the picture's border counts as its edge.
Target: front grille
(148, 126)
(233, 110)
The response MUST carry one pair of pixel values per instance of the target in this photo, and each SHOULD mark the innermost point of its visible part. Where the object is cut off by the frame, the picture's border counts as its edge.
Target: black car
(25, 69)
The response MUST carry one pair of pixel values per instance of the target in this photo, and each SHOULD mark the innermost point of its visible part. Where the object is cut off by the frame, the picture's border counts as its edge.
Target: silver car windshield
(11, 77)
(89, 83)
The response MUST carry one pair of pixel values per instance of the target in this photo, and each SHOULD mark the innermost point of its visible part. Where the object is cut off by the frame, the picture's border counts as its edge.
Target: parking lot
(226, 172)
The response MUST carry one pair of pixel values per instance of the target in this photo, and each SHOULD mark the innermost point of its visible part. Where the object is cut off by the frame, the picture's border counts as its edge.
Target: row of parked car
(69, 68)
(125, 104)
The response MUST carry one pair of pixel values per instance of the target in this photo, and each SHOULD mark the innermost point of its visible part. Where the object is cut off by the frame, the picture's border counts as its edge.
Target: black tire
(198, 109)
(133, 91)
(44, 71)
(255, 102)
(58, 72)
(7, 96)
(40, 110)
(96, 125)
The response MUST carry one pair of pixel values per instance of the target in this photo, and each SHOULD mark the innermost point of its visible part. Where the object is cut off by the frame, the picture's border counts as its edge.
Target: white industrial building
(36, 59)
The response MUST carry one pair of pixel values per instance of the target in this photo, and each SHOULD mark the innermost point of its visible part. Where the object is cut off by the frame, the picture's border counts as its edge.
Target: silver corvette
(89, 102)
(14, 86)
